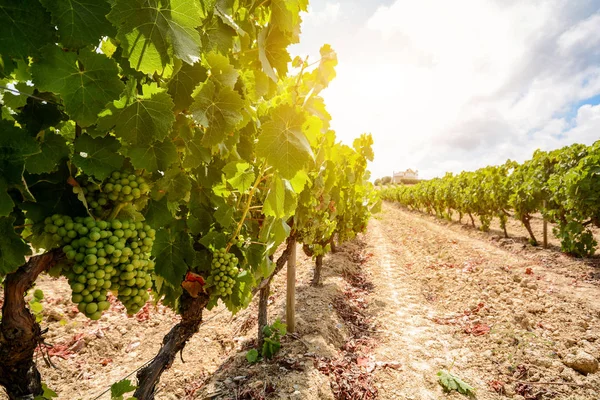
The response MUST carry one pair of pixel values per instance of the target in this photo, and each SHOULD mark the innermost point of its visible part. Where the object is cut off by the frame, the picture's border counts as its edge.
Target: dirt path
(446, 299)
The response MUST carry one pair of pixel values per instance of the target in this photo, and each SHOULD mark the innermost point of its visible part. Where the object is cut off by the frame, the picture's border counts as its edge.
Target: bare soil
(412, 296)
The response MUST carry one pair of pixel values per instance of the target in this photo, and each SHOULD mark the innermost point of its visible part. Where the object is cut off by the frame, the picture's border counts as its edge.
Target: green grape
(106, 255)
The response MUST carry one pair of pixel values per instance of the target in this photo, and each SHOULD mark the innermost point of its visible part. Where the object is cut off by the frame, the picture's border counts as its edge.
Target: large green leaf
(221, 69)
(183, 83)
(24, 28)
(153, 156)
(6, 202)
(281, 200)
(272, 52)
(240, 175)
(144, 119)
(216, 36)
(285, 15)
(153, 31)
(218, 110)
(86, 82)
(174, 255)
(54, 148)
(15, 146)
(97, 157)
(17, 100)
(80, 22)
(283, 143)
(158, 214)
(175, 184)
(12, 248)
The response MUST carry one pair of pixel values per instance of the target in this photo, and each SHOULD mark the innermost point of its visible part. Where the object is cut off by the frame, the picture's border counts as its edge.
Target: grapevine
(136, 166)
(561, 185)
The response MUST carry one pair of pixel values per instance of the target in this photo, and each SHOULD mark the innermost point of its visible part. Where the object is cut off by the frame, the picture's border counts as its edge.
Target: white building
(398, 177)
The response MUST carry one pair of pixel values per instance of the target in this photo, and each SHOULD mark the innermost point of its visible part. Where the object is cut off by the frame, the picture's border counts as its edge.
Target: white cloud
(463, 84)
(328, 14)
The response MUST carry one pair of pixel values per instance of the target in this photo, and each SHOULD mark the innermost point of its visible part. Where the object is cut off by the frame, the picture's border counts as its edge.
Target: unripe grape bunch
(119, 188)
(106, 255)
(224, 270)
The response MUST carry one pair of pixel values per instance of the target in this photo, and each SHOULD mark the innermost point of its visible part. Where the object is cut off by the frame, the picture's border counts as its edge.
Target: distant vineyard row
(563, 185)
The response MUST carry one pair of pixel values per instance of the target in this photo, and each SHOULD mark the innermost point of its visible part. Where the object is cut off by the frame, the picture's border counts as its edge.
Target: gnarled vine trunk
(317, 274)
(263, 316)
(191, 317)
(20, 334)
(265, 287)
(525, 219)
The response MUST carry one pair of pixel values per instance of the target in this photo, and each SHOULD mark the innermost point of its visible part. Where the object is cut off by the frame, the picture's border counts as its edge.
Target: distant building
(408, 175)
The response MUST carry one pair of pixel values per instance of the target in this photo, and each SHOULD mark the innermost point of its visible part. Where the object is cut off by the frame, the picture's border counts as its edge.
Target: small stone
(582, 362)
(517, 278)
(257, 384)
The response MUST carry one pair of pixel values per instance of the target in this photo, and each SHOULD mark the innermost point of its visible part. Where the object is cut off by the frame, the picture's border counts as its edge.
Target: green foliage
(252, 356)
(119, 389)
(194, 100)
(273, 334)
(47, 393)
(272, 342)
(452, 382)
(563, 185)
(35, 305)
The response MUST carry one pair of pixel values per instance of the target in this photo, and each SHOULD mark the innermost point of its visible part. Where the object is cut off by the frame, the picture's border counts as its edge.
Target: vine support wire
(148, 361)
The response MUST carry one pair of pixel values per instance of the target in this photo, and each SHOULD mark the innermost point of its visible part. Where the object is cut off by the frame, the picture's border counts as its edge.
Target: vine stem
(258, 180)
(115, 211)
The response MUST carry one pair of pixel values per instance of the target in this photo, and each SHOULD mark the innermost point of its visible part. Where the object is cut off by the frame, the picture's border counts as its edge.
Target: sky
(458, 85)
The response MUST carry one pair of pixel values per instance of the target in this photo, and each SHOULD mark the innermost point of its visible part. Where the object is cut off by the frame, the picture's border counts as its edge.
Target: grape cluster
(120, 187)
(106, 255)
(223, 272)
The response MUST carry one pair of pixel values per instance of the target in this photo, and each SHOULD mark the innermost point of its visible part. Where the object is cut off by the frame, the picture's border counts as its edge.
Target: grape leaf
(221, 69)
(6, 202)
(15, 146)
(24, 28)
(174, 255)
(153, 156)
(118, 389)
(175, 184)
(216, 36)
(54, 148)
(158, 214)
(219, 110)
(80, 22)
(283, 143)
(12, 248)
(451, 382)
(152, 32)
(240, 175)
(86, 81)
(98, 157)
(281, 200)
(214, 240)
(149, 117)
(182, 84)
(17, 100)
(285, 16)
(272, 52)
(190, 138)
(40, 113)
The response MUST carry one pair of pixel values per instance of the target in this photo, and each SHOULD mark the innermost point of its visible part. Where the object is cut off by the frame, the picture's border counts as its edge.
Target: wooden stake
(290, 304)
(545, 228)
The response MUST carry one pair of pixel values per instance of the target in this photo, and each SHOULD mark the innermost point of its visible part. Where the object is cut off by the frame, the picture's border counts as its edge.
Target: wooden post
(290, 304)
(545, 228)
